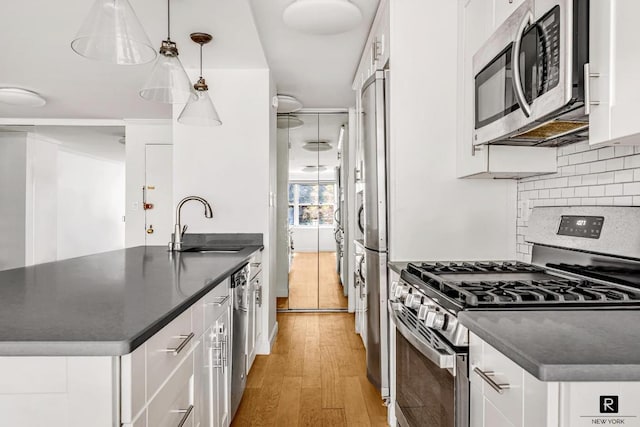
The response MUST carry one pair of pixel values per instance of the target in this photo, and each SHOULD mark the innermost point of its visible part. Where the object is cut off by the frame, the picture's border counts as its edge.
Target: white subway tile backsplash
(555, 192)
(623, 150)
(623, 201)
(583, 169)
(606, 153)
(597, 167)
(582, 192)
(589, 156)
(596, 191)
(613, 190)
(605, 178)
(631, 189)
(586, 176)
(632, 161)
(605, 201)
(625, 176)
(575, 158)
(575, 181)
(567, 192)
(615, 164)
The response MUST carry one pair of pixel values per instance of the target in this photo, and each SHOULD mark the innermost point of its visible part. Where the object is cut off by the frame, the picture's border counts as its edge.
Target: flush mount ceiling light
(289, 122)
(322, 16)
(288, 104)
(112, 33)
(317, 146)
(200, 111)
(21, 97)
(168, 82)
(319, 168)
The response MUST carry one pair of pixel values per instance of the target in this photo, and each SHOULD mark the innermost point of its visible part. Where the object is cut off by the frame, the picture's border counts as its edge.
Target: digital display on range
(581, 226)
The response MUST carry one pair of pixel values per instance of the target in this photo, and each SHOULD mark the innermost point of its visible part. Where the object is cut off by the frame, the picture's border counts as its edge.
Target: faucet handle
(184, 229)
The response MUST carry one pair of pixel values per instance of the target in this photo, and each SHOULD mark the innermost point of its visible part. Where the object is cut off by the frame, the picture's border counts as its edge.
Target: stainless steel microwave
(529, 76)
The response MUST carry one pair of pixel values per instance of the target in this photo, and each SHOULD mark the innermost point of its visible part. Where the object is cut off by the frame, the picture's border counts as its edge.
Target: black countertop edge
(130, 346)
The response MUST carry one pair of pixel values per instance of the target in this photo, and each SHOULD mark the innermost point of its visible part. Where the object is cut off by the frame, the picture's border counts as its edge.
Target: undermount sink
(212, 250)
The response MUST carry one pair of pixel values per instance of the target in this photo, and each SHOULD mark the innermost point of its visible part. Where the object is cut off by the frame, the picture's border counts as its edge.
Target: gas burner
(513, 284)
(534, 292)
(472, 267)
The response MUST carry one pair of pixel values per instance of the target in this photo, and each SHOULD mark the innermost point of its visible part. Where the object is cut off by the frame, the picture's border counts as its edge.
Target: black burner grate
(480, 284)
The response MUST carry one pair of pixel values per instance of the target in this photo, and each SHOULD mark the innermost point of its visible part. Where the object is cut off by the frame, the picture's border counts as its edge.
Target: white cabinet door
(259, 311)
(251, 328)
(614, 62)
(475, 26)
(212, 369)
(503, 9)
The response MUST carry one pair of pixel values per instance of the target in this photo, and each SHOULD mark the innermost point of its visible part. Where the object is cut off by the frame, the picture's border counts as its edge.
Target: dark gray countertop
(397, 266)
(104, 304)
(560, 345)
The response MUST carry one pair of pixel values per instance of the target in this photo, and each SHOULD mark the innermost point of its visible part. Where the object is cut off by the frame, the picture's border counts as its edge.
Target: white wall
(229, 165)
(91, 200)
(313, 239)
(42, 200)
(13, 158)
(138, 134)
(433, 215)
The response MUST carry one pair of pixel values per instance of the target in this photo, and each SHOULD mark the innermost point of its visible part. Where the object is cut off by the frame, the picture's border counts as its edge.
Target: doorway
(315, 208)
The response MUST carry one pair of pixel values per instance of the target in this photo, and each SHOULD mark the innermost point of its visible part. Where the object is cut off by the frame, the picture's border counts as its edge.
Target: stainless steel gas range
(582, 258)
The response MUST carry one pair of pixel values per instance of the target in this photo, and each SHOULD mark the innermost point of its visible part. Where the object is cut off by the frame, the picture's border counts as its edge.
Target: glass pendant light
(113, 33)
(168, 81)
(199, 110)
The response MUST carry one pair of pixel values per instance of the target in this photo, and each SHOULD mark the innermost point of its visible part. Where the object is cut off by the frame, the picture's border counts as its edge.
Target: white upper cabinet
(477, 19)
(614, 62)
(376, 52)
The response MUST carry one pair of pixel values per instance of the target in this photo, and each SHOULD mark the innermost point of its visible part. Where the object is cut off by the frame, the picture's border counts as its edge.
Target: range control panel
(581, 226)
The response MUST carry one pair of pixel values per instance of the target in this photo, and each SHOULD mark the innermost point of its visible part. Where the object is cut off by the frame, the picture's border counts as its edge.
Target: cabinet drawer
(215, 303)
(173, 402)
(506, 372)
(166, 349)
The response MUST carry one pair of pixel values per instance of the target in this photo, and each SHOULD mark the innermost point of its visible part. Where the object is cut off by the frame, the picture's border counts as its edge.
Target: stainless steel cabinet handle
(486, 376)
(183, 344)
(186, 413)
(219, 301)
(515, 65)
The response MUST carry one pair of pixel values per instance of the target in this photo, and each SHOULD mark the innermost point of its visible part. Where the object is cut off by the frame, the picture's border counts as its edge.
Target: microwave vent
(553, 129)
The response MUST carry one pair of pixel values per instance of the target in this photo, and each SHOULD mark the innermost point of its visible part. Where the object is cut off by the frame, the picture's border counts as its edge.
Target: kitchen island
(115, 338)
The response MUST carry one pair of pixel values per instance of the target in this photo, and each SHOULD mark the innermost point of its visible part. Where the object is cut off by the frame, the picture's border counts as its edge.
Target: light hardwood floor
(315, 376)
(314, 282)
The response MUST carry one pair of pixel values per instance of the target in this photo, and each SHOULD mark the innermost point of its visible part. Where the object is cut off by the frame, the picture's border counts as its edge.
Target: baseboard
(264, 346)
(272, 336)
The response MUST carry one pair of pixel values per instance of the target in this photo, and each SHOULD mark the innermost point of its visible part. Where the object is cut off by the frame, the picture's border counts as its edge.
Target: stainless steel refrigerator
(374, 105)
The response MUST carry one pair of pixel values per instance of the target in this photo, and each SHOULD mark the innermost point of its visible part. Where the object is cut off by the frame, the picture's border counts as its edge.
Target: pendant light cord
(200, 60)
(169, 20)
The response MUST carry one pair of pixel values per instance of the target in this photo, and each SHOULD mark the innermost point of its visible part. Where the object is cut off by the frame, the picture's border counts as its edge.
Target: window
(311, 204)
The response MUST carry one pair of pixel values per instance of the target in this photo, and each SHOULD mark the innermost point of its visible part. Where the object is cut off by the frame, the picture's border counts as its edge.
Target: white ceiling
(316, 69)
(323, 127)
(36, 54)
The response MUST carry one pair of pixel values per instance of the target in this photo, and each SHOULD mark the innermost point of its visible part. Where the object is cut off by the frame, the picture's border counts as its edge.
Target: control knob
(402, 292)
(434, 319)
(413, 301)
(392, 293)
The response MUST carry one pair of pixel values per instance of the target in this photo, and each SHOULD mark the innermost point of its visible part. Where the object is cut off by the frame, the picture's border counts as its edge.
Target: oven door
(432, 383)
(524, 73)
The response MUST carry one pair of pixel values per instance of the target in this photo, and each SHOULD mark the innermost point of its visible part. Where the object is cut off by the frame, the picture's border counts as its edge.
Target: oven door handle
(442, 360)
(515, 64)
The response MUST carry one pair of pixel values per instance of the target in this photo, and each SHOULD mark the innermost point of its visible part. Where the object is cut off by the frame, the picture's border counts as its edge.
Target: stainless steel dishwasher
(240, 294)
